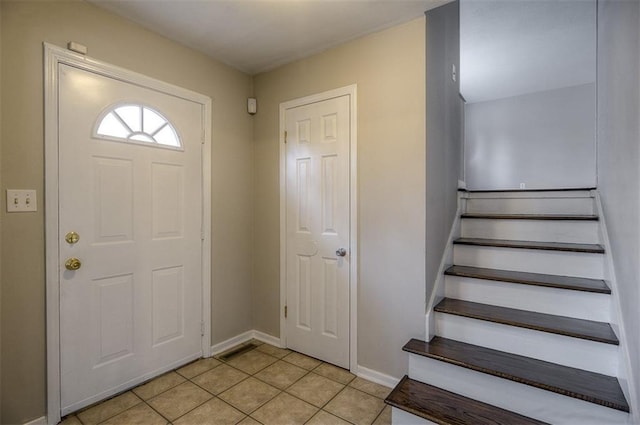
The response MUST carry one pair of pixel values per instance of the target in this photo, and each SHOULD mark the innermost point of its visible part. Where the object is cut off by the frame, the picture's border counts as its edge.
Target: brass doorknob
(72, 264)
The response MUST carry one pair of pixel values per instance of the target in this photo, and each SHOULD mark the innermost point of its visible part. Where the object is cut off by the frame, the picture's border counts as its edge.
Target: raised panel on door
(317, 225)
(303, 195)
(167, 182)
(303, 294)
(329, 194)
(168, 304)
(114, 312)
(329, 301)
(113, 199)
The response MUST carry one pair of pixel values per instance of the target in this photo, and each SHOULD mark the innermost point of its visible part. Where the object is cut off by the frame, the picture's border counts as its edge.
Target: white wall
(619, 158)
(545, 140)
(444, 134)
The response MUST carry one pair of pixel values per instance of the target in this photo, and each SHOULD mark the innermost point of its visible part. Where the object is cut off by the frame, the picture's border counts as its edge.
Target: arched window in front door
(138, 124)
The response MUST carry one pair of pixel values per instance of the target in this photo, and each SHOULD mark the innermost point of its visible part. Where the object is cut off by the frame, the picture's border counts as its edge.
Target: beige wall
(389, 69)
(25, 25)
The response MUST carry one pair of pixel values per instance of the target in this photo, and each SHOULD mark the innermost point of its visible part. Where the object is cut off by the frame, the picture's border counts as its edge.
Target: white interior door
(130, 187)
(317, 229)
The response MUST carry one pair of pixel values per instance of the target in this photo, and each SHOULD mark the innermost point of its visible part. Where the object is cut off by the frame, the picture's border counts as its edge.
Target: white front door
(130, 187)
(317, 229)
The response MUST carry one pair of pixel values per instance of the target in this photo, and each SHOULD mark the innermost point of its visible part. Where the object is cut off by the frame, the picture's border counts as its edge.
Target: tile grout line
(380, 414)
(161, 415)
(330, 400)
(248, 415)
(222, 362)
(110, 398)
(169, 389)
(308, 371)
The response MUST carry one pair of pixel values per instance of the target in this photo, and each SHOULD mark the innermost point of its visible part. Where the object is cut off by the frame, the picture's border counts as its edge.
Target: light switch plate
(21, 200)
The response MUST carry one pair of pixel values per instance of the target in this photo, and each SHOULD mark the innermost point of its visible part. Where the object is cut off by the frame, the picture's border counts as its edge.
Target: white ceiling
(258, 35)
(510, 48)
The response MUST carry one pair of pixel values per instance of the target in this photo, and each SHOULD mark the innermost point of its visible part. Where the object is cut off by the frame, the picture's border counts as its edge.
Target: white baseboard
(231, 342)
(269, 339)
(38, 421)
(377, 377)
(242, 338)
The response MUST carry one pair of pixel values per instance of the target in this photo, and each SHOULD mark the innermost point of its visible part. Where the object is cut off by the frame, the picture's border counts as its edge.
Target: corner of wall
(252, 190)
(618, 134)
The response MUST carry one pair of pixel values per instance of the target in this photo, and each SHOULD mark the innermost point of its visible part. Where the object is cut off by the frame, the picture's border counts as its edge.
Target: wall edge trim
(38, 421)
(377, 377)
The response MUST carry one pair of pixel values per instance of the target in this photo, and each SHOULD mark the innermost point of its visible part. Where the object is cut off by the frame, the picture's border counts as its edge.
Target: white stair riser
(532, 230)
(582, 206)
(560, 302)
(400, 417)
(567, 351)
(523, 399)
(530, 260)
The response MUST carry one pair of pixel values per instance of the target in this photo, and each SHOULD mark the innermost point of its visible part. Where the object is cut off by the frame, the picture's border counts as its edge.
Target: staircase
(522, 320)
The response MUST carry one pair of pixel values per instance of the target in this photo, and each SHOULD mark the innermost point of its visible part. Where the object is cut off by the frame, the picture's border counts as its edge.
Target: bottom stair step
(447, 408)
(581, 384)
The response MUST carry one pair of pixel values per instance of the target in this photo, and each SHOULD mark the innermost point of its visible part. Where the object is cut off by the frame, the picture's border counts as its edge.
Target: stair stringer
(437, 294)
(625, 368)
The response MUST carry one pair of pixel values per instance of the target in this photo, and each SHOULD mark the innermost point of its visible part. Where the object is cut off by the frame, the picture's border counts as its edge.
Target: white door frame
(53, 56)
(350, 91)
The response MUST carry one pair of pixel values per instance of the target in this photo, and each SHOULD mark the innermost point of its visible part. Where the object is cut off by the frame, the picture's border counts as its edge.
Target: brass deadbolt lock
(72, 237)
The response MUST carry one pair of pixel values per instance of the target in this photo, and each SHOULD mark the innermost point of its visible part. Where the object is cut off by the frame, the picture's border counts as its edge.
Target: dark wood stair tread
(577, 383)
(564, 217)
(537, 279)
(553, 246)
(558, 189)
(568, 326)
(447, 408)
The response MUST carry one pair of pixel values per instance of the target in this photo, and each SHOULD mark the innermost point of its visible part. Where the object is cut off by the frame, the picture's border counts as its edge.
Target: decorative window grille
(137, 124)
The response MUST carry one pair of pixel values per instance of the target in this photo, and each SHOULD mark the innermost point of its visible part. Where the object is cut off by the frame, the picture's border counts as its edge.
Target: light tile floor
(267, 385)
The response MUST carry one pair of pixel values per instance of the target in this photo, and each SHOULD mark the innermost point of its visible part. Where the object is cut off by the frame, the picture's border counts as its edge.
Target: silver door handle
(341, 252)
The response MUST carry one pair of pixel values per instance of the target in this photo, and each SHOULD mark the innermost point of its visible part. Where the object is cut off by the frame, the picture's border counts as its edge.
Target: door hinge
(285, 311)
(201, 328)
(285, 137)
